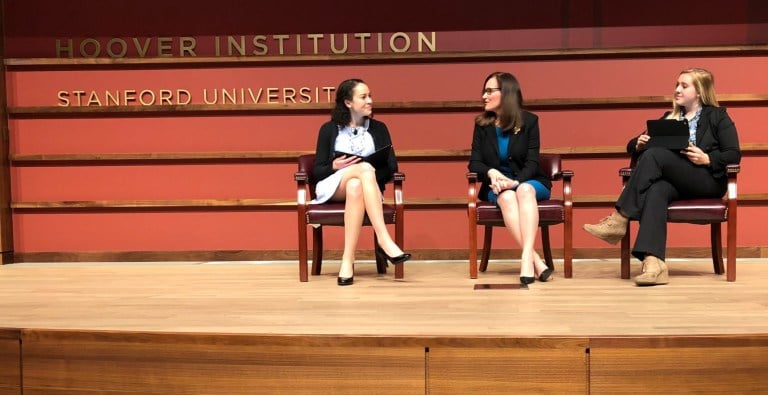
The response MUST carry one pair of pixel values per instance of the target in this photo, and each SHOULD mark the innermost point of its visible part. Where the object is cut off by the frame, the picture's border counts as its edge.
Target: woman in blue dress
(505, 156)
(346, 178)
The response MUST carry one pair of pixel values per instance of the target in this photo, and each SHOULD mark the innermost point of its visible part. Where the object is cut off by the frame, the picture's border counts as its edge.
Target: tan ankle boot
(655, 272)
(610, 229)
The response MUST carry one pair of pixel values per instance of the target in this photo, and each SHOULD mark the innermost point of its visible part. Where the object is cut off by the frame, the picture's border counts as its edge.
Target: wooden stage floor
(435, 299)
(232, 328)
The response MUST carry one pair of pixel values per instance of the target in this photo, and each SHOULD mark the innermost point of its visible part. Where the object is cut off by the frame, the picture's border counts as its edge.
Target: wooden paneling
(429, 155)
(505, 366)
(10, 363)
(557, 103)
(385, 58)
(441, 203)
(728, 365)
(135, 363)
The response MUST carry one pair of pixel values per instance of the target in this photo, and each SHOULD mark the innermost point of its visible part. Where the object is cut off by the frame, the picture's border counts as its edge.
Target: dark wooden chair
(711, 212)
(332, 214)
(551, 212)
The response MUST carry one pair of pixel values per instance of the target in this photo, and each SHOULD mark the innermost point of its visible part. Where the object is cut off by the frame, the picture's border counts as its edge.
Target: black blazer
(522, 158)
(715, 135)
(326, 141)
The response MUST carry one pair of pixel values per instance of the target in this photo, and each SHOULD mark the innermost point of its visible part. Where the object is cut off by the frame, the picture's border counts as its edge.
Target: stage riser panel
(10, 364)
(553, 367)
(732, 365)
(142, 363)
(186, 364)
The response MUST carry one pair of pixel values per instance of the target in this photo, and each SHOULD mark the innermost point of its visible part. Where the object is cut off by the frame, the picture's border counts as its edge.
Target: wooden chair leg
(486, 248)
(303, 275)
(717, 248)
(317, 250)
(568, 246)
(400, 240)
(472, 247)
(547, 247)
(731, 246)
(625, 254)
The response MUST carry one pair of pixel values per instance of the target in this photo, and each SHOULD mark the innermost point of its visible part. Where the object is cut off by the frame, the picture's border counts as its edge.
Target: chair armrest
(397, 180)
(472, 188)
(732, 193)
(625, 173)
(567, 175)
(561, 174)
(302, 188)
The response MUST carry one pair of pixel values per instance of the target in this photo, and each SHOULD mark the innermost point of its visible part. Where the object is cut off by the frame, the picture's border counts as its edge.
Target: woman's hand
(642, 140)
(499, 182)
(696, 155)
(344, 161)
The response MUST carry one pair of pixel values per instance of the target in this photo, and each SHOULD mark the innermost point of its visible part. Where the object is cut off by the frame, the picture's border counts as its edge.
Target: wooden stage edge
(213, 327)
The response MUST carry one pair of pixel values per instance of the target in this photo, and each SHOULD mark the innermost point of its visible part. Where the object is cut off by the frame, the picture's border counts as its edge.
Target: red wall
(546, 24)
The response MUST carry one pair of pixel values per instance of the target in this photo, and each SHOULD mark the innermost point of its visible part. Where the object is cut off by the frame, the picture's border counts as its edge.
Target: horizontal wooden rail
(731, 100)
(746, 199)
(387, 58)
(419, 155)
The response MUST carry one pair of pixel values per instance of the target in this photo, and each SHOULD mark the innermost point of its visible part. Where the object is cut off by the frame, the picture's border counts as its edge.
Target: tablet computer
(380, 156)
(668, 133)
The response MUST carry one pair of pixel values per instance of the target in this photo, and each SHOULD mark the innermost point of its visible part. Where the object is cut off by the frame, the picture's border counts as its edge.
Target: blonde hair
(704, 82)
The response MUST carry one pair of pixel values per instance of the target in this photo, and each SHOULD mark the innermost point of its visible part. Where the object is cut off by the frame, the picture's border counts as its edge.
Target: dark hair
(340, 114)
(510, 112)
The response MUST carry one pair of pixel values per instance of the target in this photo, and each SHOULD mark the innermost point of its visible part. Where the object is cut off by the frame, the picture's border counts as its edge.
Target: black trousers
(659, 177)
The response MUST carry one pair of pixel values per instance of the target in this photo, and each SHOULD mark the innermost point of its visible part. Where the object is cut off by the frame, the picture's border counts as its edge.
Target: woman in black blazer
(505, 156)
(662, 175)
(346, 178)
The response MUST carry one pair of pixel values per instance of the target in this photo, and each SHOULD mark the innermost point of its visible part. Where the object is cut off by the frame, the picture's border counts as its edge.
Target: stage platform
(248, 327)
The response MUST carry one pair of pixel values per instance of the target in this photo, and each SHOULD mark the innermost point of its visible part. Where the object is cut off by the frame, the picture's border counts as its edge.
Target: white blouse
(356, 141)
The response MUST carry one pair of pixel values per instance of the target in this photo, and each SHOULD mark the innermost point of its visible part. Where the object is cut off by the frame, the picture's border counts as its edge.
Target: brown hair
(510, 112)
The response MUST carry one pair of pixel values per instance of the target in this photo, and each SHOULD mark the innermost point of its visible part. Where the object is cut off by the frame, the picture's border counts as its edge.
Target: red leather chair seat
(551, 212)
(332, 214)
(698, 211)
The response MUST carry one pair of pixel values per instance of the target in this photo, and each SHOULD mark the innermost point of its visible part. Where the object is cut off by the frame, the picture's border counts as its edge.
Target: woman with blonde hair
(662, 175)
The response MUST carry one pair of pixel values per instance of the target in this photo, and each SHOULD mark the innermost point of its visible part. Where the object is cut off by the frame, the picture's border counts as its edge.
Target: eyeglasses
(489, 91)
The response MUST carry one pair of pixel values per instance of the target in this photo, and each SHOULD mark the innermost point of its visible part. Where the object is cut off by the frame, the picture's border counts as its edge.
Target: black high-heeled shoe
(526, 280)
(546, 274)
(396, 260)
(341, 281)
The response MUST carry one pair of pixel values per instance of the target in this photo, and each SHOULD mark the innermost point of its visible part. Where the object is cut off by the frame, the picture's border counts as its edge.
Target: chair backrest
(550, 165)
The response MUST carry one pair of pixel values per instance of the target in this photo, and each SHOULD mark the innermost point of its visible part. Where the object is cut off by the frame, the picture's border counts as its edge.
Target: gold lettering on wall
(181, 97)
(122, 45)
(257, 45)
(333, 44)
